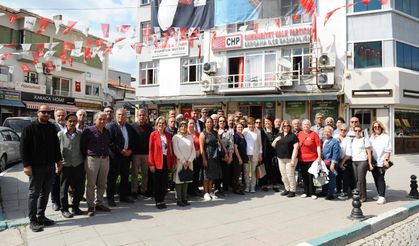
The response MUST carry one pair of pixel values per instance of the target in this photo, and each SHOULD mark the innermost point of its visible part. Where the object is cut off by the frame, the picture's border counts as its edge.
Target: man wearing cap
(72, 172)
(41, 158)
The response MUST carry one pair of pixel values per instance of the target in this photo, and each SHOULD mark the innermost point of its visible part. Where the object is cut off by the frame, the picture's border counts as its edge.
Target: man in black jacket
(120, 151)
(41, 157)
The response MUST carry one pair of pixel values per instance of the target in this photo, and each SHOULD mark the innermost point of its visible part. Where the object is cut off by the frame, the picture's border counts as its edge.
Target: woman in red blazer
(160, 160)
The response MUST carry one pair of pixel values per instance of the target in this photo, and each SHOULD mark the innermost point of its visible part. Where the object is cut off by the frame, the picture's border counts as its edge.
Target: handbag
(185, 175)
(260, 171)
(321, 180)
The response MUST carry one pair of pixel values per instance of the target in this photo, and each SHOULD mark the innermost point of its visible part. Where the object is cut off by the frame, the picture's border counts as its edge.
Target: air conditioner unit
(210, 67)
(207, 86)
(285, 79)
(327, 60)
(326, 80)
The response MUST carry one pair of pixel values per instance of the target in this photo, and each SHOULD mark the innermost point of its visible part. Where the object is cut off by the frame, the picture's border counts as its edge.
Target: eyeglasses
(376, 126)
(343, 130)
(357, 130)
(44, 112)
(221, 121)
(258, 122)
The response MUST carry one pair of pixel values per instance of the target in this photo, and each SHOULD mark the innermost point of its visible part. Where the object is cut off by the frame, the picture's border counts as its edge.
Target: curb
(365, 228)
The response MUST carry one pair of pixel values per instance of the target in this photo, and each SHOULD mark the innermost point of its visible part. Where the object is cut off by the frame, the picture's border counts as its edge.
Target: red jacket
(308, 143)
(155, 153)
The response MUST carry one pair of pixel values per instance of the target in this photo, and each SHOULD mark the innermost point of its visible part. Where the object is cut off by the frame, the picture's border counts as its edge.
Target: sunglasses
(357, 131)
(377, 127)
(221, 121)
(343, 130)
(44, 112)
(258, 122)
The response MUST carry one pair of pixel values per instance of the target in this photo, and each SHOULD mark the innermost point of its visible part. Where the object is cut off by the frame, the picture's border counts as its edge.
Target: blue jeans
(329, 188)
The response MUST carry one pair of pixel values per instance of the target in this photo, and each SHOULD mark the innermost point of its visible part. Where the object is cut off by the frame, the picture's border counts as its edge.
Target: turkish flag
(78, 86)
(43, 23)
(70, 26)
(68, 45)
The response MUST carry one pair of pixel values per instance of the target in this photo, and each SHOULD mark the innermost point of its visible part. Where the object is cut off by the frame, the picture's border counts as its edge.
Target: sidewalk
(264, 218)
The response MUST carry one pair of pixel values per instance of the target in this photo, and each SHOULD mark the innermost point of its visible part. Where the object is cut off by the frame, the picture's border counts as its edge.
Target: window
(146, 31)
(148, 73)
(33, 38)
(410, 7)
(372, 5)
(31, 77)
(300, 60)
(144, 2)
(238, 27)
(92, 90)
(191, 69)
(60, 87)
(368, 54)
(407, 56)
(8, 36)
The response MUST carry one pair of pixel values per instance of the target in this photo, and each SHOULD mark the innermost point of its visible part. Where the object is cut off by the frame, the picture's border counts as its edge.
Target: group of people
(219, 153)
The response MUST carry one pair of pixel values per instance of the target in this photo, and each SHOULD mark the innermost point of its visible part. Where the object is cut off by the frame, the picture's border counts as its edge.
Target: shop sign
(328, 108)
(10, 95)
(47, 98)
(170, 50)
(284, 36)
(29, 87)
(295, 109)
(84, 105)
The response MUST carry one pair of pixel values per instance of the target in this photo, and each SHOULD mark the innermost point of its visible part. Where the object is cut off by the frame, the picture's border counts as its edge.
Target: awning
(52, 106)
(12, 103)
(237, 98)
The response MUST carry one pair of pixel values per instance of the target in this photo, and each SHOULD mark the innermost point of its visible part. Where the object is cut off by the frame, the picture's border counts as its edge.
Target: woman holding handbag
(160, 160)
(254, 152)
(183, 147)
(381, 150)
(286, 146)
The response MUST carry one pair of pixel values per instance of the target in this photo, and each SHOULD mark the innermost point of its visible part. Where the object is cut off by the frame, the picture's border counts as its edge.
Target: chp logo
(227, 42)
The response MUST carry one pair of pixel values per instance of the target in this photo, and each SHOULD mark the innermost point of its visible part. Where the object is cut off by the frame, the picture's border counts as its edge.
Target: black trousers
(237, 169)
(160, 182)
(74, 177)
(55, 190)
(197, 166)
(309, 188)
(40, 183)
(226, 171)
(118, 167)
(273, 175)
(380, 183)
(345, 179)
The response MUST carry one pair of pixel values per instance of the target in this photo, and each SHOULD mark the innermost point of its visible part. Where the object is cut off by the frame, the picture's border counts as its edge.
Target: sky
(113, 12)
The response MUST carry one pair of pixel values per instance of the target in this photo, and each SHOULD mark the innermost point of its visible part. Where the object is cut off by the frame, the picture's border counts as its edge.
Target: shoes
(91, 212)
(276, 189)
(265, 189)
(126, 199)
(111, 203)
(314, 197)
(329, 197)
(291, 194)
(36, 226)
(252, 189)
(102, 208)
(180, 204)
(77, 211)
(213, 196)
(207, 197)
(45, 221)
(375, 198)
(67, 214)
(303, 196)
(343, 196)
(284, 193)
(381, 200)
(161, 205)
(186, 203)
(55, 206)
(238, 192)
(247, 190)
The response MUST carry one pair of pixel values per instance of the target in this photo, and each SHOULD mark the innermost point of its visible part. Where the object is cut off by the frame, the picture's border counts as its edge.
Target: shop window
(368, 54)
(148, 73)
(407, 56)
(410, 7)
(372, 5)
(300, 60)
(92, 89)
(191, 69)
(406, 123)
(60, 86)
(31, 77)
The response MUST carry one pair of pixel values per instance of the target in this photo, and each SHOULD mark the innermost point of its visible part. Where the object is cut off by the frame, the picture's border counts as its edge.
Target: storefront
(10, 104)
(33, 101)
(406, 129)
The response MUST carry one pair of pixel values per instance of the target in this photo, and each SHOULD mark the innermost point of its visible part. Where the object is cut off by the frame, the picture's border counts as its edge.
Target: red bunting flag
(108, 49)
(25, 68)
(366, 2)
(63, 55)
(13, 18)
(36, 56)
(183, 33)
(88, 42)
(105, 30)
(309, 6)
(10, 45)
(99, 42)
(6, 56)
(296, 16)
(383, 2)
(43, 23)
(49, 66)
(124, 28)
(70, 25)
(330, 13)
(313, 34)
(40, 49)
(70, 61)
(68, 45)
(119, 39)
(87, 54)
(278, 22)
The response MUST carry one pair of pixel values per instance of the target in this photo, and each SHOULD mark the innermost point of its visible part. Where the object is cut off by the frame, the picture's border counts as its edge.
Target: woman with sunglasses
(254, 152)
(272, 177)
(226, 137)
(381, 149)
(360, 151)
(345, 170)
(286, 146)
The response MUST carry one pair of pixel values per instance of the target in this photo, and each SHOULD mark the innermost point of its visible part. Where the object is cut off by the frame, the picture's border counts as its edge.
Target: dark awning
(12, 103)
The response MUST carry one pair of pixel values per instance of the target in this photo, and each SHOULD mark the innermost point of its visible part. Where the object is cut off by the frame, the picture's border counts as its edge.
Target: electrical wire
(81, 9)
